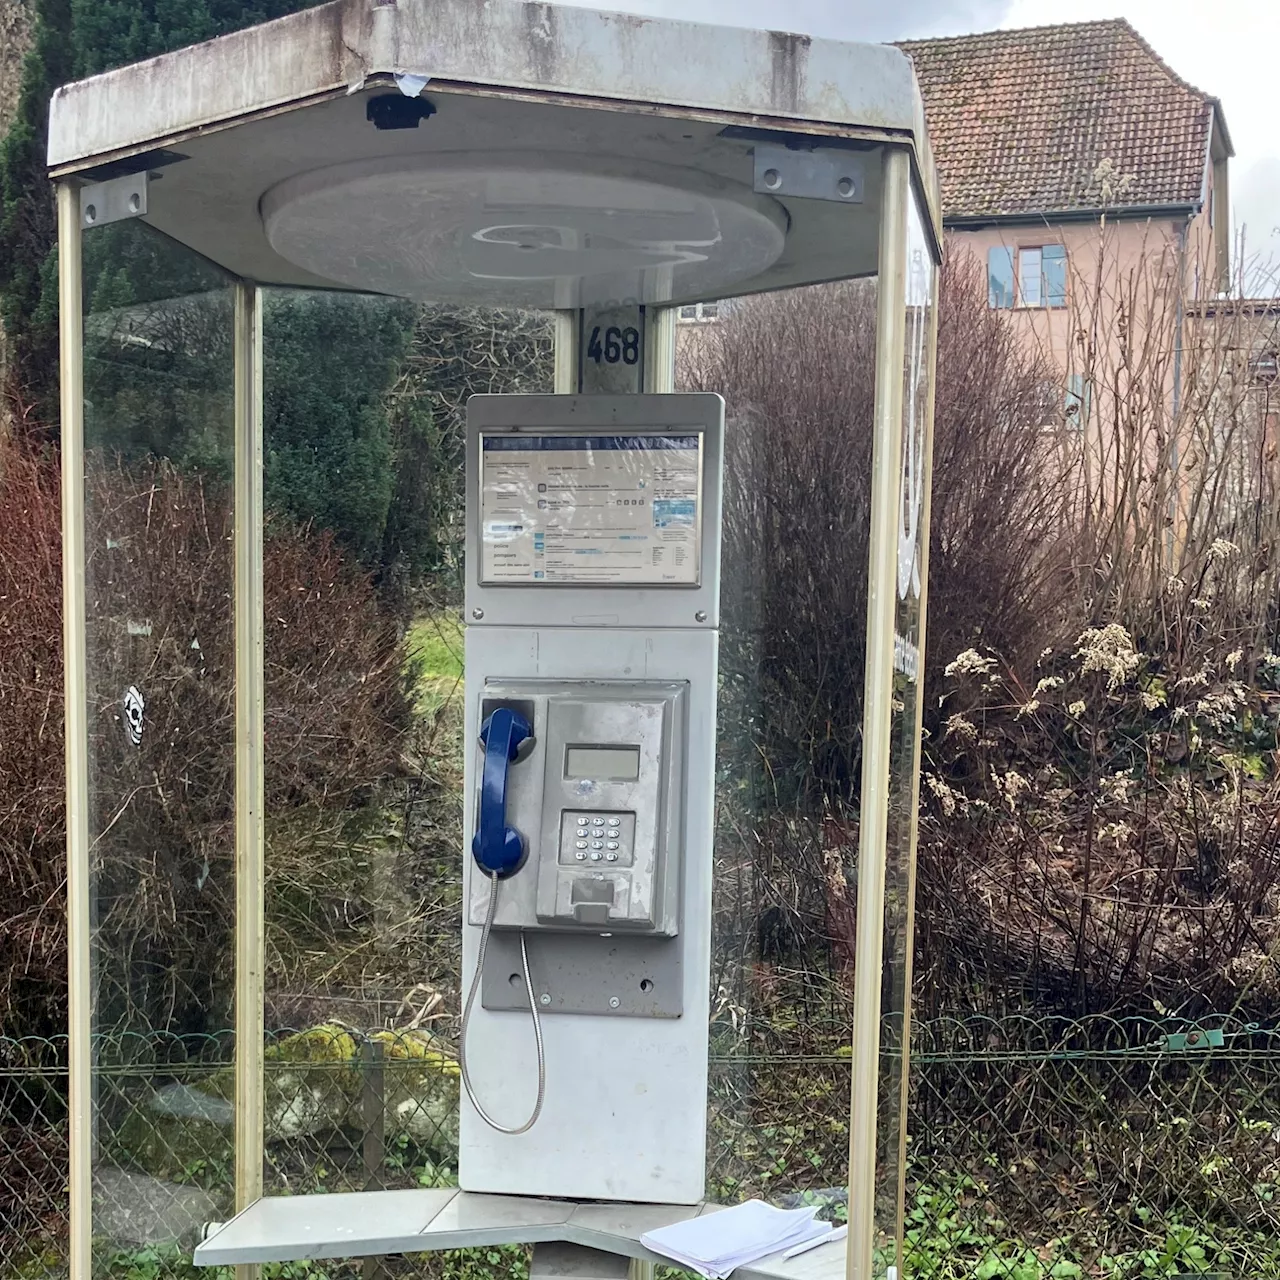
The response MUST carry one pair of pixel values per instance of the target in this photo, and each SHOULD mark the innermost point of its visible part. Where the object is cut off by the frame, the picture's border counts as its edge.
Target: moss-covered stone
(421, 1083)
(314, 1084)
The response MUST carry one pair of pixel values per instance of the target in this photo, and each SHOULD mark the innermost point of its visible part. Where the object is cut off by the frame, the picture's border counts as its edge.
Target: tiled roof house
(1058, 122)
(1040, 132)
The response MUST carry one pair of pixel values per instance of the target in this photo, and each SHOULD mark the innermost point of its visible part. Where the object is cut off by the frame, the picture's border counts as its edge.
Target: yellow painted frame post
(882, 594)
(565, 339)
(660, 349)
(76, 731)
(249, 821)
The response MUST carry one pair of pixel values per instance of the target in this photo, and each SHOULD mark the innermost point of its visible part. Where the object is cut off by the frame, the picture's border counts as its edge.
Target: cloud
(871, 20)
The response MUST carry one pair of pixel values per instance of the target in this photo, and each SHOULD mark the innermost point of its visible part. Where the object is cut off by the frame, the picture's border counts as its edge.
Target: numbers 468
(620, 346)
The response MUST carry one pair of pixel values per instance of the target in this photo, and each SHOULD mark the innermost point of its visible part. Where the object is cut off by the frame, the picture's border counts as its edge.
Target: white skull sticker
(134, 707)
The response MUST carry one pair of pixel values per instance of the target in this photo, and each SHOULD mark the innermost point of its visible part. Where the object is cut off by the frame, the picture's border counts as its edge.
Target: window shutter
(1000, 277)
(1079, 393)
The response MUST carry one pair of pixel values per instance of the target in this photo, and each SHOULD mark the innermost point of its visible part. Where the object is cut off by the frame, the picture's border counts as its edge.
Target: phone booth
(252, 230)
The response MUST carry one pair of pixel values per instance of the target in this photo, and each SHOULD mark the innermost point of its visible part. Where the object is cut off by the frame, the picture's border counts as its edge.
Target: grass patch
(435, 644)
(435, 658)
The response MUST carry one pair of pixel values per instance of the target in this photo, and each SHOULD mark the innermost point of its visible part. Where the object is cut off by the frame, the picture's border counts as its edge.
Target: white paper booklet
(717, 1243)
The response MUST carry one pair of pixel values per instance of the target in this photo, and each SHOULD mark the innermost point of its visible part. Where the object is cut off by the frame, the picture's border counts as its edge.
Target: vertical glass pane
(797, 370)
(1030, 284)
(159, 432)
(1000, 277)
(1054, 260)
(895, 992)
(363, 493)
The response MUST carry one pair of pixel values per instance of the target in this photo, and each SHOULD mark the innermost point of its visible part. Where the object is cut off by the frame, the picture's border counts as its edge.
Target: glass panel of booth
(363, 443)
(920, 331)
(159, 420)
(797, 370)
(364, 485)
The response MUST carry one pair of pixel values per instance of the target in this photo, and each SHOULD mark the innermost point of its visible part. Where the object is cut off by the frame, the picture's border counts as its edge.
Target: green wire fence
(1038, 1147)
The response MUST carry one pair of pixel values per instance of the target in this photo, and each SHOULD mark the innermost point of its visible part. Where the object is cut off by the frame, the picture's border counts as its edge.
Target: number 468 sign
(611, 350)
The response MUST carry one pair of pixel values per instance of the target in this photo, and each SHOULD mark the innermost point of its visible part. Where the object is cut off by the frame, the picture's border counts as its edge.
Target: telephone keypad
(614, 832)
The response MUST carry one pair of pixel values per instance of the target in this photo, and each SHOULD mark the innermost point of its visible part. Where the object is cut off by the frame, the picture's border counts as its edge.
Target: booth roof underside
(216, 103)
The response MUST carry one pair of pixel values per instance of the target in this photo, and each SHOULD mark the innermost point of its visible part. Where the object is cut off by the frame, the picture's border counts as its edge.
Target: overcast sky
(1228, 48)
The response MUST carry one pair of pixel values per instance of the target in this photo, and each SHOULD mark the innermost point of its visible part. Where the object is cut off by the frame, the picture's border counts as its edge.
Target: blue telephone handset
(499, 849)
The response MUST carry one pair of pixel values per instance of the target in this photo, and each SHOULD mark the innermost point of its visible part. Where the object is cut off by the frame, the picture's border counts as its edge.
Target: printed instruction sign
(594, 510)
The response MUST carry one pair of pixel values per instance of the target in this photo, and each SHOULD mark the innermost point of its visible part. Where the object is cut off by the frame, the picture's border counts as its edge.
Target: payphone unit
(592, 606)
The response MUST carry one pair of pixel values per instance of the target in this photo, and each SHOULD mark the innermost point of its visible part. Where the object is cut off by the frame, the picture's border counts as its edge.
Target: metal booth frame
(92, 137)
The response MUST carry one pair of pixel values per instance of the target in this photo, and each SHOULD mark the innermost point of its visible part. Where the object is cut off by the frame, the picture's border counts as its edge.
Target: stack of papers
(718, 1243)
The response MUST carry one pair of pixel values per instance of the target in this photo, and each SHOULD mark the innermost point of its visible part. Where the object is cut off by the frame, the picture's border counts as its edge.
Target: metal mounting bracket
(811, 173)
(114, 200)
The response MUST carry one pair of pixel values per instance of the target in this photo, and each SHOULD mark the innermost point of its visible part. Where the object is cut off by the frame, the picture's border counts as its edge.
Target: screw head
(477, 614)
(772, 179)
(544, 998)
(700, 616)
(614, 1002)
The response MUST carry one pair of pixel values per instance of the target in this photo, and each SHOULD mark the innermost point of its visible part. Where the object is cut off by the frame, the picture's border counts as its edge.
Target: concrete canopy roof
(225, 121)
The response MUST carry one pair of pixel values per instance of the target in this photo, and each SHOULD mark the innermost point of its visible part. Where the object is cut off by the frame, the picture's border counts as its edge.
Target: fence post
(373, 1113)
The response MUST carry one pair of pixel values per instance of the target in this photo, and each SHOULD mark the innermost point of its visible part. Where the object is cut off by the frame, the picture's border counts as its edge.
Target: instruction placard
(595, 510)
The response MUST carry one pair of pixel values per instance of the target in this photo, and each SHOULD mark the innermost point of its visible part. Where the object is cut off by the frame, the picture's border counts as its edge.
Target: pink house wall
(1103, 258)
(1104, 264)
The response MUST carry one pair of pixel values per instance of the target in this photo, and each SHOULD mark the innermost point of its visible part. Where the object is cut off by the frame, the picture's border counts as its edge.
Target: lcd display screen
(602, 764)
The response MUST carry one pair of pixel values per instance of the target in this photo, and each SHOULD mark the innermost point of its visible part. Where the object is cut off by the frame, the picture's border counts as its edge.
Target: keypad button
(613, 844)
(615, 822)
(612, 857)
(581, 857)
(583, 822)
(597, 844)
(595, 857)
(582, 844)
(599, 822)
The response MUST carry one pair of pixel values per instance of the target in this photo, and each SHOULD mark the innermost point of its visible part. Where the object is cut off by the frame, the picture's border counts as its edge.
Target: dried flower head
(1110, 650)
(970, 663)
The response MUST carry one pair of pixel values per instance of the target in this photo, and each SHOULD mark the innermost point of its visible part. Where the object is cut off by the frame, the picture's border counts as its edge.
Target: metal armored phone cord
(533, 1009)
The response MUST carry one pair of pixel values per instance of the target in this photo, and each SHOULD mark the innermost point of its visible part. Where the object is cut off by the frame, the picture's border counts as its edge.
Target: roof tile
(1072, 117)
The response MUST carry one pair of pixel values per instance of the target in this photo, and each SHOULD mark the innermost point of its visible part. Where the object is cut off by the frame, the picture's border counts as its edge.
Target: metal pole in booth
(619, 349)
(249, 830)
(80, 1104)
(882, 594)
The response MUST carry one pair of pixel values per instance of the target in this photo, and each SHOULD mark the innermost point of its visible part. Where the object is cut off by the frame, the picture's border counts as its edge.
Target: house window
(694, 312)
(1048, 405)
(1031, 276)
(1056, 406)
(1265, 368)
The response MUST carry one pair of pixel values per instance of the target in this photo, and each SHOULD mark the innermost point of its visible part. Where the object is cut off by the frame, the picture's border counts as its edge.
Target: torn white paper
(410, 84)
